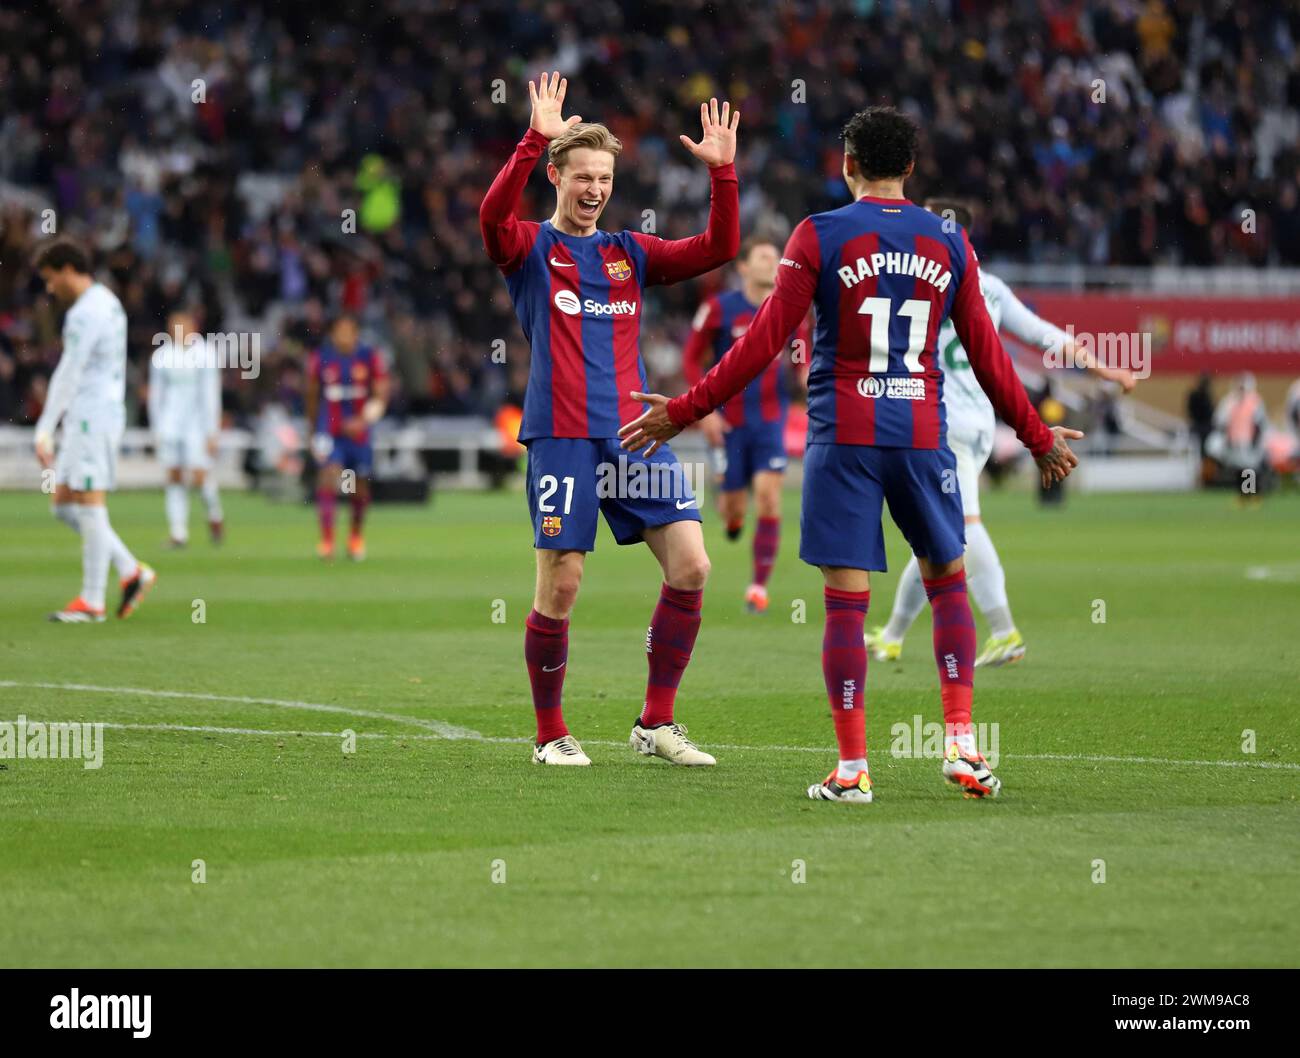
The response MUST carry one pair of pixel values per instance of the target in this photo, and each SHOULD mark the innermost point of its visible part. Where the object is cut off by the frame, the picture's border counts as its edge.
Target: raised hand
(717, 145)
(547, 101)
(1056, 463)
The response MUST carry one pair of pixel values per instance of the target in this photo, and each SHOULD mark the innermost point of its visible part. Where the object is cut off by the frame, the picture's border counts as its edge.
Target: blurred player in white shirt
(971, 424)
(185, 416)
(87, 394)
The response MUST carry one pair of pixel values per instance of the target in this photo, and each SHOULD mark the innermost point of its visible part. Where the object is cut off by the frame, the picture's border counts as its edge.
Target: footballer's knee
(691, 572)
(174, 476)
(936, 571)
(559, 576)
(767, 494)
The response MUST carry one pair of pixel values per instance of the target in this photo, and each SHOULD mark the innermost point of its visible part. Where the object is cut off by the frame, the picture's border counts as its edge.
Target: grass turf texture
(386, 856)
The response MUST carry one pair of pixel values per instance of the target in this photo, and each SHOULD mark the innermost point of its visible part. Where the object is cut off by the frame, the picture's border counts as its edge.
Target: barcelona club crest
(619, 270)
(551, 525)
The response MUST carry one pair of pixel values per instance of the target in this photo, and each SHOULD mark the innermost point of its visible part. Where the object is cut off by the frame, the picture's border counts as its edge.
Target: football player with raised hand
(579, 294)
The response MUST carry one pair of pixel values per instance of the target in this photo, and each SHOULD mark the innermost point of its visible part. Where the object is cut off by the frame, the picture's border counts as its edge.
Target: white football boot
(855, 792)
(563, 750)
(970, 771)
(78, 612)
(669, 742)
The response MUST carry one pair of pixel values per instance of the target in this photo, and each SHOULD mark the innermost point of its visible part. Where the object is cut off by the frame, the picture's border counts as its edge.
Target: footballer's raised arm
(670, 261)
(505, 236)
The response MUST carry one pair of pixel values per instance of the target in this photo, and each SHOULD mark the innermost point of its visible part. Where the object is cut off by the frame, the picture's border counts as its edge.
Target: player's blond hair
(587, 134)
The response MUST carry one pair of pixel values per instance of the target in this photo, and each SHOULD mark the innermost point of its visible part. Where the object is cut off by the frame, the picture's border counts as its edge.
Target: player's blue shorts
(570, 479)
(845, 488)
(750, 448)
(356, 456)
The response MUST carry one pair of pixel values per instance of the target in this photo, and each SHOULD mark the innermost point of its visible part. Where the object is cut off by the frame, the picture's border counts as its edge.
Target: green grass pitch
(1121, 742)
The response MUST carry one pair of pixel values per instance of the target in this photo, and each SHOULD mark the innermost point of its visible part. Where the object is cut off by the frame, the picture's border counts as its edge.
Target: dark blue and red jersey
(719, 322)
(580, 299)
(884, 274)
(346, 383)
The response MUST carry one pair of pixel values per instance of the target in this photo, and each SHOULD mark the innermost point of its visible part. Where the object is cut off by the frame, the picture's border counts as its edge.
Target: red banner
(1183, 335)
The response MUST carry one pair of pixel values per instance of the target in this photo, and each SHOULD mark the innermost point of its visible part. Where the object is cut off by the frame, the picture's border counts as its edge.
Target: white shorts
(188, 450)
(87, 457)
(972, 450)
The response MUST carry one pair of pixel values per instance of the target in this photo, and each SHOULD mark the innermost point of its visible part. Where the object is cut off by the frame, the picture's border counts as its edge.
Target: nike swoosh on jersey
(563, 264)
(682, 506)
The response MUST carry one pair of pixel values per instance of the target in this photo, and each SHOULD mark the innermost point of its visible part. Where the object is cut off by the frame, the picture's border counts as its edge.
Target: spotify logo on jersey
(567, 302)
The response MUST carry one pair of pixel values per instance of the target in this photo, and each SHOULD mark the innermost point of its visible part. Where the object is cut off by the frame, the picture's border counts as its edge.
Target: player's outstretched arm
(997, 377)
(1039, 333)
(504, 235)
(744, 362)
(671, 261)
(775, 321)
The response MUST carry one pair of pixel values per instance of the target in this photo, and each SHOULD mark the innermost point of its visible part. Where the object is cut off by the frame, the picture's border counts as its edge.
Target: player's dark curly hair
(882, 140)
(59, 253)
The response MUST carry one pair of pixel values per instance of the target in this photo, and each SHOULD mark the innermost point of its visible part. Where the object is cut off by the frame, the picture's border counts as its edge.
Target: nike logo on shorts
(682, 506)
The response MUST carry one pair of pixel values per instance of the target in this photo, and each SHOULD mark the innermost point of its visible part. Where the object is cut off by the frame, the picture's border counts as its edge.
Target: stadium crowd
(275, 164)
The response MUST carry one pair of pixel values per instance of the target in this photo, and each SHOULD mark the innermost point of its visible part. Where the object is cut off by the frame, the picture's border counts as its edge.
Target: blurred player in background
(578, 293)
(884, 275)
(971, 424)
(1239, 439)
(87, 394)
(185, 416)
(747, 435)
(347, 393)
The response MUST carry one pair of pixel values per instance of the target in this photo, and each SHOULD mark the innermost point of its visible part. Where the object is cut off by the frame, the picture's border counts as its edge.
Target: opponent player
(87, 394)
(185, 416)
(971, 425)
(747, 434)
(884, 274)
(347, 393)
(578, 292)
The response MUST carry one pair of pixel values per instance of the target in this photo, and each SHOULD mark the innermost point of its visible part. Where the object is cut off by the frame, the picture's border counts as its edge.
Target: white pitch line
(204, 730)
(1280, 765)
(438, 727)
